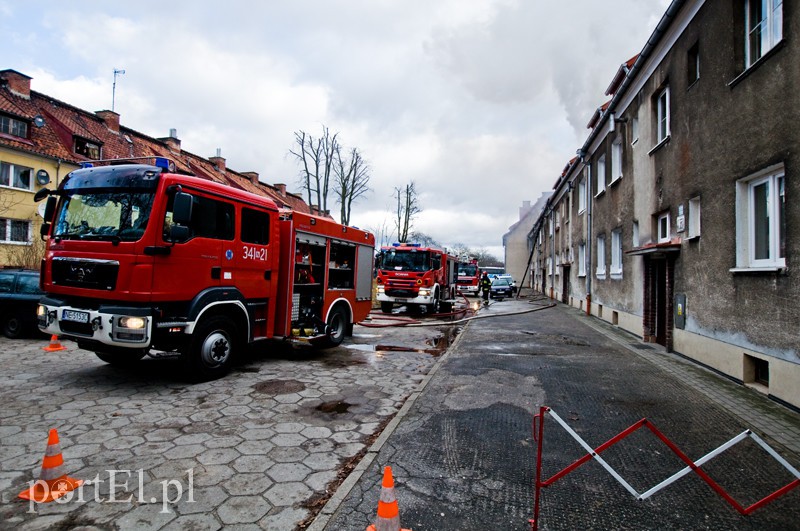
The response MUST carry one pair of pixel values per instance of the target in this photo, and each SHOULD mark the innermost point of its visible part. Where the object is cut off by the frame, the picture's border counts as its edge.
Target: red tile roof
(62, 123)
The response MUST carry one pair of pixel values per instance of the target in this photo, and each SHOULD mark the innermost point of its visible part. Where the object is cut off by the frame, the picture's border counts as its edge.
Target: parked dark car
(19, 297)
(501, 288)
(511, 281)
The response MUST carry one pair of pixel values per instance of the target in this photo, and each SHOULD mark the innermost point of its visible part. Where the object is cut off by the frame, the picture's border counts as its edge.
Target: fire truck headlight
(424, 292)
(134, 323)
(380, 289)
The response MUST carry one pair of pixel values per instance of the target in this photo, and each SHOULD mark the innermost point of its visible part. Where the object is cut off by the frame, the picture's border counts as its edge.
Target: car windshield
(100, 215)
(500, 282)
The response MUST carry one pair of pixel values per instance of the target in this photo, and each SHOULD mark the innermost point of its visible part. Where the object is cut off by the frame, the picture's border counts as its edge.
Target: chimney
(218, 161)
(111, 119)
(281, 189)
(526, 207)
(17, 83)
(172, 141)
(253, 176)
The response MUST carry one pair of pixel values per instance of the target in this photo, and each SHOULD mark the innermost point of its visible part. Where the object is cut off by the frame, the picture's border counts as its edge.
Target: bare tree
(407, 208)
(317, 158)
(352, 180)
(424, 240)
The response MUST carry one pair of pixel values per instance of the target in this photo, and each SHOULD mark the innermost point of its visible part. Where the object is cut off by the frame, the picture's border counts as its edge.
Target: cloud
(480, 103)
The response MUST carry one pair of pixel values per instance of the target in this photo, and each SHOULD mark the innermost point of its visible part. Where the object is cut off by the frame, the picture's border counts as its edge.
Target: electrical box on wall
(680, 311)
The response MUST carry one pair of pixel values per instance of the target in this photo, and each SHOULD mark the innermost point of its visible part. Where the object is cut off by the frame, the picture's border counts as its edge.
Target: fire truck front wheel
(210, 352)
(337, 327)
(386, 307)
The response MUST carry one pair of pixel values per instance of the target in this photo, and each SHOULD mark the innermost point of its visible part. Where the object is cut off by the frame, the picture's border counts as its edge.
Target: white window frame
(5, 233)
(582, 195)
(581, 260)
(775, 178)
(600, 272)
(694, 218)
(616, 160)
(662, 115)
(13, 171)
(767, 31)
(616, 254)
(663, 235)
(601, 174)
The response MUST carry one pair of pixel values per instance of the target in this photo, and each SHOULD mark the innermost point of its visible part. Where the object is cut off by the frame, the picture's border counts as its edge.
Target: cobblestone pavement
(464, 457)
(259, 449)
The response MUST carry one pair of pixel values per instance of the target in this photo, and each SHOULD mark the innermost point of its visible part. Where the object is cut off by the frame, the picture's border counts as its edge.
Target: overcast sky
(481, 103)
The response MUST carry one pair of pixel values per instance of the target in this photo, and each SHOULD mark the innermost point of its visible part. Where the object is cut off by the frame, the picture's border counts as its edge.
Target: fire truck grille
(81, 329)
(401, 293)
(87, 274)
(465, 281)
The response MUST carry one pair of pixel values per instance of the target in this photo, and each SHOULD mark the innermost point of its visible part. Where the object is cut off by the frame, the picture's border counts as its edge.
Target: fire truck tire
(211, 349)
(337, 322)
(386, 307)
(120, 359)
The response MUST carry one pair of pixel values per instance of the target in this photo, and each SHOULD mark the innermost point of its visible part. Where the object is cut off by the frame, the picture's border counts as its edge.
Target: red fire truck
(140, 260)
(417, 277)
(469, 277)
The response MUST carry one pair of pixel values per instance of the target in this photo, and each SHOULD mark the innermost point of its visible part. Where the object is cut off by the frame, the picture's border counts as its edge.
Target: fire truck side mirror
(182, 209)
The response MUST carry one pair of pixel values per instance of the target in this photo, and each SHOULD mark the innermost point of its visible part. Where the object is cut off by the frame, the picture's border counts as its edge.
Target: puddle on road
(279, 387)
(334, 408)
(438, 345)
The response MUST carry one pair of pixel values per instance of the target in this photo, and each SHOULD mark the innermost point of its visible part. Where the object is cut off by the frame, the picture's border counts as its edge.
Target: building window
(760, 220)
(764, 26)
(616, 254)
(616, 160)
(582, 260)
(16, 176)
(88, 149)
(693, 64)
(12, 126)
(663, 227)
(14, 231)
(662, 115)
(582, 195)
(601, 256)
(601, 174)
(694, 218)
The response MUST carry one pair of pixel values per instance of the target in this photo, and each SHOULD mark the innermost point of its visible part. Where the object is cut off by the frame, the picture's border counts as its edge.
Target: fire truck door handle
(267, 275)
(153, 250)
(216, 272)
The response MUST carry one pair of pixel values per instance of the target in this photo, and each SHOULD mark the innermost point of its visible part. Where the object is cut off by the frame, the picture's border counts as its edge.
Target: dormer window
(88, 149)
(14, 127)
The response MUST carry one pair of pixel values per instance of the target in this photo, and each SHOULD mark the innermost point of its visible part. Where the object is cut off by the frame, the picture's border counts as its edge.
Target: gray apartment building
(672, 220)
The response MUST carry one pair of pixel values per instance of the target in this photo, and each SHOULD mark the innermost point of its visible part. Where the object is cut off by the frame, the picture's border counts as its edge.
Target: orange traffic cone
(53, 482)
(388, 510)
(54, 345)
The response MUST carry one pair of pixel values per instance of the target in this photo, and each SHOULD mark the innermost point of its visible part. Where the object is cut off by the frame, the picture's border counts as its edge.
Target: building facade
(42, 139)
(517, 245)
(679, 229)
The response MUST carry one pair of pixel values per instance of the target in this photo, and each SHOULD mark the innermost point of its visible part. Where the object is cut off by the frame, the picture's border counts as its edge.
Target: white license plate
(401, 300)
(72, 315)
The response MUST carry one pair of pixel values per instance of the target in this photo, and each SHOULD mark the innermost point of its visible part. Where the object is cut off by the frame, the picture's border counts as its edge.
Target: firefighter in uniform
(485, 286)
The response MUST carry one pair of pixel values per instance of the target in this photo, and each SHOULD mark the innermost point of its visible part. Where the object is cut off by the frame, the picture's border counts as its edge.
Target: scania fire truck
(417, 277)
(140, 260)
(469, 277)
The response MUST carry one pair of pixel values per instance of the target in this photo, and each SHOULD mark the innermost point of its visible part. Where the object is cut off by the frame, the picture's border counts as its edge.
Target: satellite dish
(42, 177)
(38, 121)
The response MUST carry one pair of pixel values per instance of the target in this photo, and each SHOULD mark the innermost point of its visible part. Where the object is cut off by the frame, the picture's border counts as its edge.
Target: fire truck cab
(417, 277)
(140, 259)
(469, 277)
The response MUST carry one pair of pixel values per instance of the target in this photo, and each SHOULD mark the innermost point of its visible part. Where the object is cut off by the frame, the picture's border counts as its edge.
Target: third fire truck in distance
(469, 277)
(417, 277)
(141, 259)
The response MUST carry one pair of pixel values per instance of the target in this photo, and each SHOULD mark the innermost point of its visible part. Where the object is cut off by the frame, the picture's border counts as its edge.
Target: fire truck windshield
(88, 214)
(402, 260)
(467, 270)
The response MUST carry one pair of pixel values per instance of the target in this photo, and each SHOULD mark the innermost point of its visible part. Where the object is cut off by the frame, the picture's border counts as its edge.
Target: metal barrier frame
(691, 466)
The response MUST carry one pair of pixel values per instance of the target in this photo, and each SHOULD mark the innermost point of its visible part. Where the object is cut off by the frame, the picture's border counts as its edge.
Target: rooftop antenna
(117, 72)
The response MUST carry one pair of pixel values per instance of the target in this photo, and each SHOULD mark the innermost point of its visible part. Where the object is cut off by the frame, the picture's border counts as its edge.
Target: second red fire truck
(140, 259)
(417, 277)
(469, 277)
